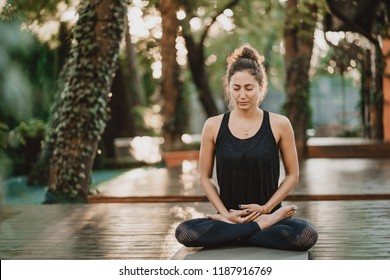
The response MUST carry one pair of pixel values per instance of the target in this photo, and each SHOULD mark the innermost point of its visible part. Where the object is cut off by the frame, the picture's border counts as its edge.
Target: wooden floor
(348, 229)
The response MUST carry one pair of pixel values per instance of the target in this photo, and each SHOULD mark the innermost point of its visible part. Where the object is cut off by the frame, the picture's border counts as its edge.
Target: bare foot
(267, 220)
(219, 217)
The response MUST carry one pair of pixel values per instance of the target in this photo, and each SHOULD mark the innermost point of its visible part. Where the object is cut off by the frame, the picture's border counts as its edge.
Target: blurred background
(325, 62)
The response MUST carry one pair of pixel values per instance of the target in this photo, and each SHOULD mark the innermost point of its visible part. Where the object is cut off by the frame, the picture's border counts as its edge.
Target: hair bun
(249, 52)
(245, 51)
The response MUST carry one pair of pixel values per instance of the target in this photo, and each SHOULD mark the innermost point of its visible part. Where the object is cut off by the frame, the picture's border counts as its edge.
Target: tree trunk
(366, 85)
(196, 62)
(386, 87)
(377, 110)
(196, 56)
(298, 39)
(170, 84)
(81, 112)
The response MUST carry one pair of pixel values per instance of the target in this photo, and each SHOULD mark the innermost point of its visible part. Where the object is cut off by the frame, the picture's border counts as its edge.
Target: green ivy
(80, 112)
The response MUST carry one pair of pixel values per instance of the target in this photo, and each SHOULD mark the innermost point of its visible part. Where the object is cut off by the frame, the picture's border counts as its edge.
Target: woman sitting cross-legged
(245, 144)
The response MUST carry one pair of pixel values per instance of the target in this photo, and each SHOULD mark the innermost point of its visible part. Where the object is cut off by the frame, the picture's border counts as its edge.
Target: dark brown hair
(246, 58)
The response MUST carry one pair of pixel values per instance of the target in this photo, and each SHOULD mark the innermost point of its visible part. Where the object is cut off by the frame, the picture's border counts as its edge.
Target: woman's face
(244, 90)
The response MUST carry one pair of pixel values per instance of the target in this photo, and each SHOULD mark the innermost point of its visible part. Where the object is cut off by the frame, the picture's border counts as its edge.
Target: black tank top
(247, 169)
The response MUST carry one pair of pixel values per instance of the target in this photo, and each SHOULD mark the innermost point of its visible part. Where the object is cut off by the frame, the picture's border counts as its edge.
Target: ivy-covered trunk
(298, 38)
(81, 112)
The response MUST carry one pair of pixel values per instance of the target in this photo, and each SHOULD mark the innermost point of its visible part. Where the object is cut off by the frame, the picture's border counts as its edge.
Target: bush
(34, 129)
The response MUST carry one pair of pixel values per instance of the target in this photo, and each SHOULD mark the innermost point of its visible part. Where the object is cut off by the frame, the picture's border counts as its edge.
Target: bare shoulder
(281, 126)
(279, 121)
(214, 121)
(211, 127)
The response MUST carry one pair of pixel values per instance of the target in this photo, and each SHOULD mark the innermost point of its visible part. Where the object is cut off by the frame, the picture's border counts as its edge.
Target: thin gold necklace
(246, 131)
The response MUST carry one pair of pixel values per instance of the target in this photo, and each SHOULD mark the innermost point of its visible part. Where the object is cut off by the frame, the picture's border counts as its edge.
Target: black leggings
(288, 234)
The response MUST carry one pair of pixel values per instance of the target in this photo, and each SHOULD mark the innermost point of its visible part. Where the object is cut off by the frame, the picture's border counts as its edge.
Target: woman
(245, 144)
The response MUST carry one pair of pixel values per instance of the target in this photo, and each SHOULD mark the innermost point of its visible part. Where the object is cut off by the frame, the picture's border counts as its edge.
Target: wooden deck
(329, 147)
(348, 229)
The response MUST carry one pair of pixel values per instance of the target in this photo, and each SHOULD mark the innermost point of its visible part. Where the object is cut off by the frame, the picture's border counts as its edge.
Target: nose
(242, 93)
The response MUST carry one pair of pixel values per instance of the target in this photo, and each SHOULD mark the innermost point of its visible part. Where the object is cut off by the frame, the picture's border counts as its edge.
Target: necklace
(247, 130)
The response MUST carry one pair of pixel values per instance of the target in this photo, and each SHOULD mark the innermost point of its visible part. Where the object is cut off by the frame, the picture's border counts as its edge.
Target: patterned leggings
(288, 234)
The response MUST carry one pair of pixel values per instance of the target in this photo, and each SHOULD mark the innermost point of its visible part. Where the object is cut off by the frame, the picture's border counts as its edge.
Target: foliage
(256, 22)
(15, 90)
(31, 129)
(37, 10)
(29, 94)
(42, 66)
(15, 104)
(259, 23)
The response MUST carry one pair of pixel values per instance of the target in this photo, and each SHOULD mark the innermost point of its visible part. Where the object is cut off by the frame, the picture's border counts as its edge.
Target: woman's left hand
(235, 217)
(262, 209)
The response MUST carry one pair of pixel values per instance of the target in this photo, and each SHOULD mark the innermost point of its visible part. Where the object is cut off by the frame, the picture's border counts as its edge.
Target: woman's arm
(286, 143)
(206, 164)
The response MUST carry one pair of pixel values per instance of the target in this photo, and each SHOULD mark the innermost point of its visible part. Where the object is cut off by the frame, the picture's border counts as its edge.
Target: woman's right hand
(241, 216)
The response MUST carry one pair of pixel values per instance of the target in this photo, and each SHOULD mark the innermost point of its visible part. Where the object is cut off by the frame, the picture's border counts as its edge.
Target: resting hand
(262, 209)
(243, 216)
(236, 217)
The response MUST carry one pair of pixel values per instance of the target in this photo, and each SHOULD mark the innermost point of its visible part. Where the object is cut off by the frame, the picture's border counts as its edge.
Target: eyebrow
(246, 85)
